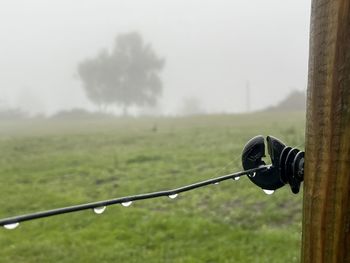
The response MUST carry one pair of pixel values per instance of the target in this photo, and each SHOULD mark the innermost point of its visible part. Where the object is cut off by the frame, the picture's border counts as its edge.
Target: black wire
(70, 209)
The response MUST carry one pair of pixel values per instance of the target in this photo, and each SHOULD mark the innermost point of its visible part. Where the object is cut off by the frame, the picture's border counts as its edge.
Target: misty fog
(212, 49)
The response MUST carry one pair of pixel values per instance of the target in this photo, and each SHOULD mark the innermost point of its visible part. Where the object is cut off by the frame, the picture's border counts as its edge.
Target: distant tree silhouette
(126, 76)
(12, 114)
(191, 106)
(79, 114)
(295, 101)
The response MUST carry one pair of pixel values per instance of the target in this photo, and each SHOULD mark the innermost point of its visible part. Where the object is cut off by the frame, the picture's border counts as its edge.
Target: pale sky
(212, 48)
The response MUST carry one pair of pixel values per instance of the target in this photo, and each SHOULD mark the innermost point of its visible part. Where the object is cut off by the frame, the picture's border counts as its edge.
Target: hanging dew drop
(126, 204)
(236, 178)
(11, 226)
(99, 210)
(216, 183)
(268, 192)
(173, 196)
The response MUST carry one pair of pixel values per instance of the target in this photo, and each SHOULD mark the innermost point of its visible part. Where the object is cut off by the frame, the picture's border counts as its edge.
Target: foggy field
(47, 164)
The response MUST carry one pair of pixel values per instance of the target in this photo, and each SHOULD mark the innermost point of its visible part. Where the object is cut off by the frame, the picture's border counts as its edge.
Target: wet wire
(13, 222)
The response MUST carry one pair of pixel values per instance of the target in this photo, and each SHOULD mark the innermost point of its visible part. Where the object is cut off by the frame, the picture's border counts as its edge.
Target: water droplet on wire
(173, 196)
(126, 204)
(11, 226)
(216, 183)
(99, 210)
(268, 192)
(236, 178)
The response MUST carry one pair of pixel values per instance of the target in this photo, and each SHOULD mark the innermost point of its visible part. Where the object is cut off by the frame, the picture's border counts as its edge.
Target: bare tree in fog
(126, 76)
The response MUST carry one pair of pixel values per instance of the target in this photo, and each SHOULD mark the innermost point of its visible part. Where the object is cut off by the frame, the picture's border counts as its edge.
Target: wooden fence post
(326, 208)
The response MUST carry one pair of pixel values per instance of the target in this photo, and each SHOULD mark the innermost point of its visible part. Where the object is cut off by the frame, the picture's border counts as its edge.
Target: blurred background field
(49, 163)
(102, 99)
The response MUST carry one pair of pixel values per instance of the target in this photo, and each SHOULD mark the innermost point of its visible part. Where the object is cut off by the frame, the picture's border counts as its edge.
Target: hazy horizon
(212, 49)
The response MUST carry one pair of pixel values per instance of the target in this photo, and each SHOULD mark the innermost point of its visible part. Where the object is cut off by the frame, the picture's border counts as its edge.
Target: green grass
(49, 164)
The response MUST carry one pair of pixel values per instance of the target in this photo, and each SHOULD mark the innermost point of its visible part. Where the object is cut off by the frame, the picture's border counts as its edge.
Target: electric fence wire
(13, 222)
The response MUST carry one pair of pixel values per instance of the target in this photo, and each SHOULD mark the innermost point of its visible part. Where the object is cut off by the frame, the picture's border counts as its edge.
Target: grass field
(49, 164)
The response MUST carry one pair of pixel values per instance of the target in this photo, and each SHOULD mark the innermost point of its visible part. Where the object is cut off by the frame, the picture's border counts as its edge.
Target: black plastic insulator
(282, 167)
(298, 168)
(287, 163)
(294, 184)
(252, 155)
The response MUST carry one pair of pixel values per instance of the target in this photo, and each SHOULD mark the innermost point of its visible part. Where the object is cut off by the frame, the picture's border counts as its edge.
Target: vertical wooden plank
(326, 211)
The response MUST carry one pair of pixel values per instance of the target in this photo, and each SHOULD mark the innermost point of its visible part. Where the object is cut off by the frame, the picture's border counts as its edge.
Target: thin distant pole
(247, 88)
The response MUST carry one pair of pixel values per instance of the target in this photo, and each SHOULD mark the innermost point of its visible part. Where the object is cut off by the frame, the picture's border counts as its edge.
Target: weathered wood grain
(326, 211)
